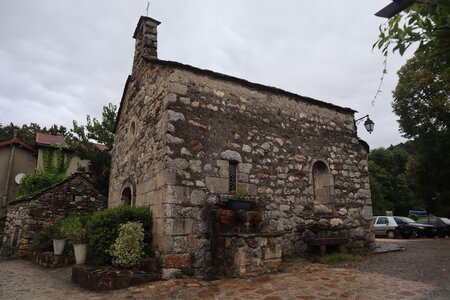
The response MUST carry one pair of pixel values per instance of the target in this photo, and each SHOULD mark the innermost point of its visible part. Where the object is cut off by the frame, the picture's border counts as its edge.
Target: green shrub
(103, 229)
(339, 257)
(43, 241)
(74, 230)
(128, 249)
(32, 183)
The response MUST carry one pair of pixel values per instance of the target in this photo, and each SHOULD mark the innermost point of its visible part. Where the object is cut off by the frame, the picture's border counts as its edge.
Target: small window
(232, 173)
(323, 183)
(132, 128)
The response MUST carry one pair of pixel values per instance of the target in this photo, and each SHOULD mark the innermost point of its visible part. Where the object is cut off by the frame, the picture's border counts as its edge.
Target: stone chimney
(146, 39)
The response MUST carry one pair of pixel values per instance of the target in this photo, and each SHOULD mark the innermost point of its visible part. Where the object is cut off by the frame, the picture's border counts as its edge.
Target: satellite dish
(19, 177)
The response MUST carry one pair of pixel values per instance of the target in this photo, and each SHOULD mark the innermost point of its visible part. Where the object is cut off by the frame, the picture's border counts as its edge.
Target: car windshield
(446, 221)
(403, 220)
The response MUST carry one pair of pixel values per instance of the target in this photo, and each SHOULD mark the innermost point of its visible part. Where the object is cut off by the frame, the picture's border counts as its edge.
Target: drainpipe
(8, 176)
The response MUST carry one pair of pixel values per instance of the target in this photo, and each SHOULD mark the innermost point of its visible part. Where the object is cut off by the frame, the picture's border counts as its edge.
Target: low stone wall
(50, 260)
(98, 279)
(247, 254)
(240, 248)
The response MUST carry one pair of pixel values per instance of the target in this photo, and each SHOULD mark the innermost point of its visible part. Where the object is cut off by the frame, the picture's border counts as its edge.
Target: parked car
(442, 225)
(385, 226)
(395, 226)
(408, 228)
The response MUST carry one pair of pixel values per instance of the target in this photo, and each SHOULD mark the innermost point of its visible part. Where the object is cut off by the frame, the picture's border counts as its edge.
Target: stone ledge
(252, 235)
(96, 278)
(50, 260)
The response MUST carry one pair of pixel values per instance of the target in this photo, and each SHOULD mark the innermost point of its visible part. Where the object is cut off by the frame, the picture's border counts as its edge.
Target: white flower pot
(80, 251)
(58, 246)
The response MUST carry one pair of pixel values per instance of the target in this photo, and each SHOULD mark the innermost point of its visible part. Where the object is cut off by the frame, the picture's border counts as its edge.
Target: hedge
(103, 230)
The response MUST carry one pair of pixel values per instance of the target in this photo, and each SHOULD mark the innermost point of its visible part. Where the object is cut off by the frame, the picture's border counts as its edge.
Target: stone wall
(181, 130)
(188, 135)
(26, 216)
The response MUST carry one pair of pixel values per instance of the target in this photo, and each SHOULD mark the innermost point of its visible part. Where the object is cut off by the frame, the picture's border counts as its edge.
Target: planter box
(97, 278)
(50, 260)
(239, 204)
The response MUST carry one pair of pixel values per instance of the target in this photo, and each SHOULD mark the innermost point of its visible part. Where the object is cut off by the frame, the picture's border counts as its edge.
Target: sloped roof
(44, 139)
(50, 140)
(38, 193)
(20, 143)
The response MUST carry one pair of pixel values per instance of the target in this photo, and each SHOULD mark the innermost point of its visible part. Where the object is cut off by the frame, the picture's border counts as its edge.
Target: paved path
(299, 280)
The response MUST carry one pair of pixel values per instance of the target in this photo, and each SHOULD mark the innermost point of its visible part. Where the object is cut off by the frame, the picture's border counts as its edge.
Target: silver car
(385, 226)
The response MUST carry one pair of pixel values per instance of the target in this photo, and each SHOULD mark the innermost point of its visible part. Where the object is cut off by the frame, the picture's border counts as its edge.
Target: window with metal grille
(232, 175)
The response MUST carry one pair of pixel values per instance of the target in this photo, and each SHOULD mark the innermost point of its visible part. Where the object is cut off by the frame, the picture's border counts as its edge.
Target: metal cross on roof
(148, 6)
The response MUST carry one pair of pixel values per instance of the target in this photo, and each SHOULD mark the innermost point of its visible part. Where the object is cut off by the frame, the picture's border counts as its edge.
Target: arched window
(323, 183)
(126, 198)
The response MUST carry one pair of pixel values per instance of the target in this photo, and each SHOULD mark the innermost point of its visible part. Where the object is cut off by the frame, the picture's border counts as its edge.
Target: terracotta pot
(257, 220)
(58, 246)
(224, 219)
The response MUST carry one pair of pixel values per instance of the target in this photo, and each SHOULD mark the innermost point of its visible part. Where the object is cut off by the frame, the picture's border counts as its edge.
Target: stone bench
(324, 242)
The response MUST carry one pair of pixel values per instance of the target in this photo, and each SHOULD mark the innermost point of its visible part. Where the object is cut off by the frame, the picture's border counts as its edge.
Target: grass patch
(289, 257)
(339, 257)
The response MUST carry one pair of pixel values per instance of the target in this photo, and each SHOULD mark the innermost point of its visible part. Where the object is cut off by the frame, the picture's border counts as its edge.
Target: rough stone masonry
(183, 134)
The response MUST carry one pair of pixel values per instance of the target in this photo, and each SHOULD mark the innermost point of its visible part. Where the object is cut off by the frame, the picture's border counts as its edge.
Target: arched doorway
(127, 196)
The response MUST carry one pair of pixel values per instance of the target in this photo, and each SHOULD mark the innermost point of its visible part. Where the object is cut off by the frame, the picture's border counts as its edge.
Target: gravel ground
(423, 260)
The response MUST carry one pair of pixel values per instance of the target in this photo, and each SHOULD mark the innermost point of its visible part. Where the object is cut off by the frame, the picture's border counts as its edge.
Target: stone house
(186, 137)
(27, 215)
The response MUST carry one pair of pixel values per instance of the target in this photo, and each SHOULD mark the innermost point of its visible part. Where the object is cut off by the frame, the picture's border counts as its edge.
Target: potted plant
(76, 234)
(225, 215)
(257, 217)
(239, 200)
(57, 233)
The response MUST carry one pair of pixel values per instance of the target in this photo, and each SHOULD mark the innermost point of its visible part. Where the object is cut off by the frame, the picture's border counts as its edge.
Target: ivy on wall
(62, 161)
(52, 172)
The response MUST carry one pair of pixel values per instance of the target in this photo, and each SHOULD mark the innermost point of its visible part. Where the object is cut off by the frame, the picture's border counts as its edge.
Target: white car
(385, 226)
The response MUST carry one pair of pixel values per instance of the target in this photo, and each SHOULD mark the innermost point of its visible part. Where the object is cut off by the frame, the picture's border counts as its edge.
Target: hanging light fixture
(369, 124)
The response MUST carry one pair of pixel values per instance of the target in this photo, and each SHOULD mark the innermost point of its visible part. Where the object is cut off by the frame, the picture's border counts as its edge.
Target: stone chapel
(187, 137)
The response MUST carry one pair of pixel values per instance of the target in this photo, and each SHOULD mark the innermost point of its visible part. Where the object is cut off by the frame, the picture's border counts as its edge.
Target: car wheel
(390, 235)
(414, 234)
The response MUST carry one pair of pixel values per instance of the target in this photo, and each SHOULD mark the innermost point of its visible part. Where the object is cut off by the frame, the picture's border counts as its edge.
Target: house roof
(48, 140)
(243, 82)
(44, 139)
(20, 143)
(83, 175)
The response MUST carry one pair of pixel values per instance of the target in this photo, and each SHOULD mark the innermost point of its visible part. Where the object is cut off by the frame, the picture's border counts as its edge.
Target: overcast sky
(62, 60)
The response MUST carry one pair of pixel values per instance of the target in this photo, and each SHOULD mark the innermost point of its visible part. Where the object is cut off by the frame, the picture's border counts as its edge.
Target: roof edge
(19, 142)
(244, 82)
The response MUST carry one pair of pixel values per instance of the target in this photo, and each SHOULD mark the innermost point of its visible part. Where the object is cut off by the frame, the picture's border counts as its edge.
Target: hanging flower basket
(257, 217)
(257, 220)
(225, 215)
(239, 200)
(224, 219)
